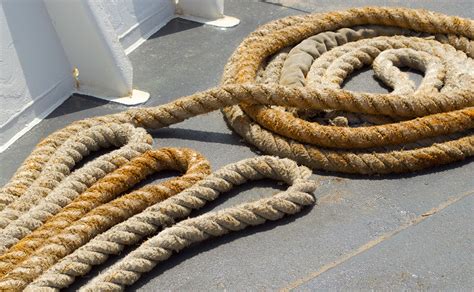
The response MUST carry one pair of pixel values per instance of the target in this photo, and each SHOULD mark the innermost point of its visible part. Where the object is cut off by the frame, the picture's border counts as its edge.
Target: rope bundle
(94, 211)
(385, 137)
(97, 222)
(281, 91)
(184, 233)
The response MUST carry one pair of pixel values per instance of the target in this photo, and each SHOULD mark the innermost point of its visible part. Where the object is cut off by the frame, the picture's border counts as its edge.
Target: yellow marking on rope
(365, 247)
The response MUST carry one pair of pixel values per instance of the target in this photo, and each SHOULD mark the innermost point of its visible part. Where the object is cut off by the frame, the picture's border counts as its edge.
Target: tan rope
(57, 163)
(93, 211)
(269, 39)
(309, 64)
(179, 207)
(63, 192)
(285, 72)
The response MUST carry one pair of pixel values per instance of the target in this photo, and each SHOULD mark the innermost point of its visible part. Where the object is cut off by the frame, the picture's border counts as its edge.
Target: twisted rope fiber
(60, 188)
(357, 153)
(136, 140)
(186, 232)
(276, 89)
(269, 39)
(90, 214)
(75, 148)
(251, 121)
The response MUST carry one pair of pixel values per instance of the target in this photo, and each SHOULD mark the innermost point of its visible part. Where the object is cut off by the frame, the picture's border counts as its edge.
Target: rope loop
(179, 235)
(283, 91)
(97, 209)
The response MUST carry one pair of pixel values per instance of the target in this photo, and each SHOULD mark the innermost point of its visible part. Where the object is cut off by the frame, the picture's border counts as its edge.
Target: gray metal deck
(390, 232)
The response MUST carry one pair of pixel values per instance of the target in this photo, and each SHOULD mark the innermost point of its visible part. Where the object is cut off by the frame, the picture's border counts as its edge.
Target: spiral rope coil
(281, 91)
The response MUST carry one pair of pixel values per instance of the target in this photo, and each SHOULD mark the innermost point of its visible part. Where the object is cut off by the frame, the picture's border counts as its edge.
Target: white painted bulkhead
(35, 75)
(136, 20)
(45, 43)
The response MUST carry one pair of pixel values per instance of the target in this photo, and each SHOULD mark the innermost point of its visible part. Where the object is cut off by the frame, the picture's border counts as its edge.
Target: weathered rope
(62, 196)
(180, 235)
(93, 211)
(452, 34)
(57, 163)
(281, 91)
(324, 59)
(63, 192)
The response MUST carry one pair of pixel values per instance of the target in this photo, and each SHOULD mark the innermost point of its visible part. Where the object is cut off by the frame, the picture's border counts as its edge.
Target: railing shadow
(176, 25)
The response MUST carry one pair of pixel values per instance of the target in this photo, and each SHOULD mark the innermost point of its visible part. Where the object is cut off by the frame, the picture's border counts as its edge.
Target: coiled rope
(281, 92)
(184, 233)
(94, 211)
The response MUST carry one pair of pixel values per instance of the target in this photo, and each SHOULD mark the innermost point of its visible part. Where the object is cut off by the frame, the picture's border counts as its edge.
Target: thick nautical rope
(96, 210)
(285, 72)
(59, 162)
(184, 233)
(323, 61)
(437, 111)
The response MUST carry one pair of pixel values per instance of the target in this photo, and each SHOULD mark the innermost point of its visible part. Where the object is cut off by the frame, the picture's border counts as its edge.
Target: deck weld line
(372, 243)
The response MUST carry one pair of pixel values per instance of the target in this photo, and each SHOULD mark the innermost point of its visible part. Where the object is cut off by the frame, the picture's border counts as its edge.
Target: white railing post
(98, 61)
(205, 11)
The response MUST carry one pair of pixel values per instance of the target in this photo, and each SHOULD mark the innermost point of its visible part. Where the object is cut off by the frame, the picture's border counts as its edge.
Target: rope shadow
(196, 135)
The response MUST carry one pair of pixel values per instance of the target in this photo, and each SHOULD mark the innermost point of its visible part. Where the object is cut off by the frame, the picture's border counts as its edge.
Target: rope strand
(281, 91)
(94, 211)
(178, 207)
